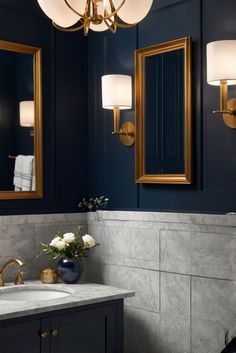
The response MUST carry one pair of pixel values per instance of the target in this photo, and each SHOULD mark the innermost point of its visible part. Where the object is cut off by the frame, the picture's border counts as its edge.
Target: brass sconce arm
(116, 111)
(126, 132)
(227, 107)
(224, 101)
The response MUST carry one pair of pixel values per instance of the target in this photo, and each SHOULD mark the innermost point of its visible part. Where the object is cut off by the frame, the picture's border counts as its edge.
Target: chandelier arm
(122, 25)
(74, 29)
(125, 25)
(108, 16)
(76, 12)
(110, 27)
(114, 11)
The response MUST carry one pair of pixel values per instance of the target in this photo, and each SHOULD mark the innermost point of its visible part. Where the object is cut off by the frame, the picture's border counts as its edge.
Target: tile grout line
(190, 314)
(165, 271)
(160, 306)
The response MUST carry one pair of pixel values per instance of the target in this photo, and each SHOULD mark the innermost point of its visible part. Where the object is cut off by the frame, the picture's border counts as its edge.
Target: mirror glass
(20, 121)
(163, 151)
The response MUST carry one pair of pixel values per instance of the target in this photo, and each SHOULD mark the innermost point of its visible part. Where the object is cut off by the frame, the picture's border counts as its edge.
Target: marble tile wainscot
(20, 237)
(183, 270)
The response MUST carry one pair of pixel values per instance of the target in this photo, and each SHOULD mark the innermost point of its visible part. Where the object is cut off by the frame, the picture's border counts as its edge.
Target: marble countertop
(79, 294)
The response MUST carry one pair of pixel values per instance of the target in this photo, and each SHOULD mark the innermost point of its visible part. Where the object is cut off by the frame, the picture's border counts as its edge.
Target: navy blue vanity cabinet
(89, 331)
(93, 328)
(20, 337)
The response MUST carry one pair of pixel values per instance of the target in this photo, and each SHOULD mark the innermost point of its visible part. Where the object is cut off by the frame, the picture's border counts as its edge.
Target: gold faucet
(19, 279)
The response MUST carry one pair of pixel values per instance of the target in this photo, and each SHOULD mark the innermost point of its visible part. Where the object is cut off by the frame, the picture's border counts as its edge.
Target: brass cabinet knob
(44, 334)
(54, 333)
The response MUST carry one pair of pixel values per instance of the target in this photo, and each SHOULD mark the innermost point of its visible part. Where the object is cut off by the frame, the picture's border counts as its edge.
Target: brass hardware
(141, 54)
(5, 267)
(38, 144)
(116, 120)
(19, 278)
(44, 334)
(54, 333)
(227, 107)
(91, 16)
(49, 275)
(127, 134)
(230, 118)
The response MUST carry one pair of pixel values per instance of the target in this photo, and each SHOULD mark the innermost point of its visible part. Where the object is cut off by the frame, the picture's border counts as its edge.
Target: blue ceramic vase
(70, 269)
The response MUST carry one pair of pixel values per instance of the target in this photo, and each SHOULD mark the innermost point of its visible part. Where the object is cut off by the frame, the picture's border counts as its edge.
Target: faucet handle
(19, 277)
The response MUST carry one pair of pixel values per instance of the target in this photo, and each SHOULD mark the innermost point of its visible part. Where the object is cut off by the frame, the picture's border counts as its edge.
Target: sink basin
(35, 294)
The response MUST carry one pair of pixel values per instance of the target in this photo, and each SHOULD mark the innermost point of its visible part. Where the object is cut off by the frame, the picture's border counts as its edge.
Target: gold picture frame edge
(140, 54)
(36, 52)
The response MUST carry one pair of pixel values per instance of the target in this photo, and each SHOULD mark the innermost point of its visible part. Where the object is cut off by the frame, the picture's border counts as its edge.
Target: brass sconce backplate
(127, 134)
(230, 119)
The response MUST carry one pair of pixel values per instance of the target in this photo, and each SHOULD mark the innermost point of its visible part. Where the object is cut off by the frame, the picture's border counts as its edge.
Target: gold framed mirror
(21, 152)
(163, 113)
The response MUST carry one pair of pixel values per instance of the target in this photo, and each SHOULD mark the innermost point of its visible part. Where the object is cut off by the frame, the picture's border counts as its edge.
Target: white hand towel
(27, 174)
(24, 173)
(17, 181)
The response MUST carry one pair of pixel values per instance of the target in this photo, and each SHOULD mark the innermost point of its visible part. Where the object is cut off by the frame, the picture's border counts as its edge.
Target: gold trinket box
(49, 275)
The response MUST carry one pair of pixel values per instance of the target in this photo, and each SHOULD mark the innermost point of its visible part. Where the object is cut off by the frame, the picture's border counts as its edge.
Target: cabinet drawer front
(20, 338)
(89, 331)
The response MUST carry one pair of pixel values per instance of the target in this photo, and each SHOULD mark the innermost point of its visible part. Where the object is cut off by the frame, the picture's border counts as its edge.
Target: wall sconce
(221, 71)
(116, 96)
(27, 115)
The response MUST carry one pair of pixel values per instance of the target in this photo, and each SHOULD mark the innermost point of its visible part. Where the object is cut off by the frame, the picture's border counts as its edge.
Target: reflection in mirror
(20, 121)
(163, 126)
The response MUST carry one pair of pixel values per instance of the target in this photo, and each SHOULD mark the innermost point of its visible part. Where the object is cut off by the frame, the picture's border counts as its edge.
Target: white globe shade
(221, 62)
(27, 113)
(133, 11)
(117, 91)
(59, 12)
(99, 28)
(78, 5)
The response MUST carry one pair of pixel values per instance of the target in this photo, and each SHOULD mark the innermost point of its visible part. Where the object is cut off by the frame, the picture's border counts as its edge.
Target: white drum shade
(27, 113)
(133, 11)
(59, 12)
(117, 91)
(221, 62)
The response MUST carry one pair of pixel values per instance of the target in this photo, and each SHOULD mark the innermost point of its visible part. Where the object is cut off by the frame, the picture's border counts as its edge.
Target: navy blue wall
(111, 166)
(64, 106)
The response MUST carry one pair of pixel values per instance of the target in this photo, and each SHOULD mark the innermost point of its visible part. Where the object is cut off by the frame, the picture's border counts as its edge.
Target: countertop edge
(56, 307)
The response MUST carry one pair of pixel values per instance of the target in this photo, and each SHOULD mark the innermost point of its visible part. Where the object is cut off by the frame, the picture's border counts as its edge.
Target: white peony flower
(89, 241)
(61, 244)
(55, 241)
(69, 237)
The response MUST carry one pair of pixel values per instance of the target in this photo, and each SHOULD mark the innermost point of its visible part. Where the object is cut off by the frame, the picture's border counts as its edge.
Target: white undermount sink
(32, 294)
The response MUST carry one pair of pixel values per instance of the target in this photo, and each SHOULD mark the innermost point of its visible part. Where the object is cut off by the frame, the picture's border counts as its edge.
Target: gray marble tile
(209, 336)
(175, 296)
(213, 299)
(145, 248)
(124, 246)
(142, 331)
(103, 251)
(175, 335)
(202, 254)
(144, 283)
(120, 242)
(175, 251)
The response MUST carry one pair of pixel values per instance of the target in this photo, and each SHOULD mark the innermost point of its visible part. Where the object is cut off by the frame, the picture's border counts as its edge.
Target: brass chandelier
(97, 15)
